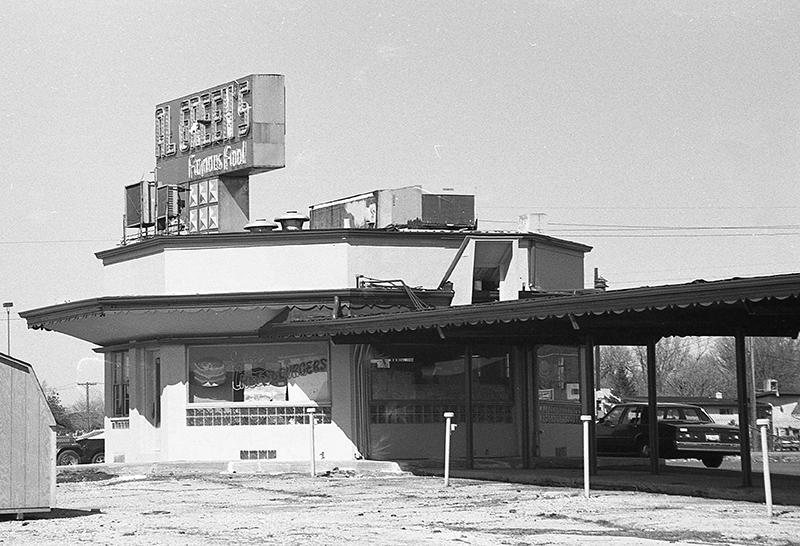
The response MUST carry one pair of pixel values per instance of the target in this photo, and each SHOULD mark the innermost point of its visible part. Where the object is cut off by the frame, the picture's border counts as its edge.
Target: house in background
(785, 418)
(28, 449)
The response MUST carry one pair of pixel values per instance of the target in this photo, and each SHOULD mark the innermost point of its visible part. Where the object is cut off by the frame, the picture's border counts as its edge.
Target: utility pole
(88, 417)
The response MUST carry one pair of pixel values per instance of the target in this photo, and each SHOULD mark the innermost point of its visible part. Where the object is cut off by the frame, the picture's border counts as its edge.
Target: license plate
(712, 437)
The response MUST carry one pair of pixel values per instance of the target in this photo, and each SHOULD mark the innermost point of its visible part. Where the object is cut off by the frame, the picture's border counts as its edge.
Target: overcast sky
(666, 135)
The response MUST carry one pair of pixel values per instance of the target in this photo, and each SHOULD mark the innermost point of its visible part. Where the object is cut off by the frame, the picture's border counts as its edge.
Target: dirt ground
(342, 507)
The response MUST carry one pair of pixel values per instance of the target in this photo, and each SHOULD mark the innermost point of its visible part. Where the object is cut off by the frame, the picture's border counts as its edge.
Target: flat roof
(319, 236)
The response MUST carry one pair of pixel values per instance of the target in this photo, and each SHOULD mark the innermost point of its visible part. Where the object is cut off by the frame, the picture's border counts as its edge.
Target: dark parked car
(88, 448)
(684, 432)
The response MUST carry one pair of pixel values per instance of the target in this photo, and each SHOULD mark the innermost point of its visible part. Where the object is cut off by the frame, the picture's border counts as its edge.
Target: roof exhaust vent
(599, 282)
(260, 226)
(292, 221)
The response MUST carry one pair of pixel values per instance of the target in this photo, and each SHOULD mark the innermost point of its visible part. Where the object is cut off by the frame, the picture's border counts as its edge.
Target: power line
(671, 228)
(633, 207)
(674, 236)
(57, 242)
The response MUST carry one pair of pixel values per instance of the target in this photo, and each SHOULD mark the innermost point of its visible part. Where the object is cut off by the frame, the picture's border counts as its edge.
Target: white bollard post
(763, 424)
(586, 420)
(311, 418)
(448, 416)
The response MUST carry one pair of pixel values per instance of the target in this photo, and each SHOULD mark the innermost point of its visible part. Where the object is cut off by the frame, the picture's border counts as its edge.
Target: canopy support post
(744, 413)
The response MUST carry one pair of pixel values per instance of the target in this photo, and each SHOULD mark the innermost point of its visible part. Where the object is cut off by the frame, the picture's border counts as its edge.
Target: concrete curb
(235, 467)
(304, 467)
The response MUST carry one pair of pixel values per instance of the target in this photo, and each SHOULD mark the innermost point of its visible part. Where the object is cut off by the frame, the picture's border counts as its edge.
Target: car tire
(643, 450)
(99, 458)
(712, 461)
(68, 457)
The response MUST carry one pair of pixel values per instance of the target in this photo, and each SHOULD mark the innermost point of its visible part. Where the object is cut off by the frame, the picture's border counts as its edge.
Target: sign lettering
(236, 127)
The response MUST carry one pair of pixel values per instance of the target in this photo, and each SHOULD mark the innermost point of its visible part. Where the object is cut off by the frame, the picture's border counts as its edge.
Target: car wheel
(99, 458)
(643, 450)
(68, 458)
(712, 461)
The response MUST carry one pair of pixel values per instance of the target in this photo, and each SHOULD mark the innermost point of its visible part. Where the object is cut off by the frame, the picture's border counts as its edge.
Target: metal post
(311, 419)
(586, 462)
(763, 424)
(744, 408)
(8, 305)
(449, 427)
(652, 405)
(589, 400)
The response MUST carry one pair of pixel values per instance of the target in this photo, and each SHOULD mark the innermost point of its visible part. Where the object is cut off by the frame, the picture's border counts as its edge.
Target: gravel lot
(342, 507)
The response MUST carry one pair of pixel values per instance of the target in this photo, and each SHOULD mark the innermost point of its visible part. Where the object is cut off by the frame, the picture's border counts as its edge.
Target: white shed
(27, 441)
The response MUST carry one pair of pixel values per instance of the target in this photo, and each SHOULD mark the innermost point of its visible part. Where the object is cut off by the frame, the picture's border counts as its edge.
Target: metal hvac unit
(139, 201)
(448, 210)
(168, 205)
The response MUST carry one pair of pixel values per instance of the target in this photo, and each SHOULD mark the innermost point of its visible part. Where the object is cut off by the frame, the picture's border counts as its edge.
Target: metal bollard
(311, 419)
(449, 428)
(763, 424)
(586, 420)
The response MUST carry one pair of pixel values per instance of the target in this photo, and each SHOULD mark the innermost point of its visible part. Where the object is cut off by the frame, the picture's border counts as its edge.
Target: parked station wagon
(684, 432)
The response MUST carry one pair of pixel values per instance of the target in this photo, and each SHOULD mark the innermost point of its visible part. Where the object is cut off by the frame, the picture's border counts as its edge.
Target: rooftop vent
(292, 221)
(260, 226)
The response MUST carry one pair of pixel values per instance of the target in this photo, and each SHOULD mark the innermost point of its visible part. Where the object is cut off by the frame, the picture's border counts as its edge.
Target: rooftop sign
(236, 128)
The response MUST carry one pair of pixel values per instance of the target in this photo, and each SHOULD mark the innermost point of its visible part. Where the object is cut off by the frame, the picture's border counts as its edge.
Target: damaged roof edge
(697, 293)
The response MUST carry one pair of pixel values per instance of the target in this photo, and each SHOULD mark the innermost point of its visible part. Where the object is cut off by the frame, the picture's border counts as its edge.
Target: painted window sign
(565, 414)
(236, 127)
(291, 372)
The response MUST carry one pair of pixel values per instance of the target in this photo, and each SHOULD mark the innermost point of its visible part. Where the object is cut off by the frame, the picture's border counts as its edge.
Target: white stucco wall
(253, 269)
(144, 275)
(173, 440)
(417, 266)
(276, 268)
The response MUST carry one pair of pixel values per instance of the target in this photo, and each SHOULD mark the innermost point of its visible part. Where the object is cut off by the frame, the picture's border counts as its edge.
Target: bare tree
(773, 358)
(687, 367)
(56, 407)
(684, 367)
(618, 371)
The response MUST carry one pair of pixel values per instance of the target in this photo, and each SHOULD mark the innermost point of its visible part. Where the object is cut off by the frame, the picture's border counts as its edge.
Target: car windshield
(687, 414)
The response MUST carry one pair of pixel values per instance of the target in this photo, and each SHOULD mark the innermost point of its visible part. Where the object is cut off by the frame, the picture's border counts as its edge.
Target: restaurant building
(192, 293)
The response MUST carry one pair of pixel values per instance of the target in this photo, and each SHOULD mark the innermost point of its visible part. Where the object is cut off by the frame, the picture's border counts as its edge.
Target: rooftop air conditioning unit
(139, 200)
(168, 205)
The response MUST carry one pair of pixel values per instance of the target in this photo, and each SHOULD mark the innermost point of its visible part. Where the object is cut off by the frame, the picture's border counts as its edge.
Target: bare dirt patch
(179, 508)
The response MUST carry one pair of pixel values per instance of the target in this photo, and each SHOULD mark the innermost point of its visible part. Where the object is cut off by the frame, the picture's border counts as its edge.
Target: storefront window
(120, 379)
(491, 374)
(417, 373)
(281, 372)
(559, 374)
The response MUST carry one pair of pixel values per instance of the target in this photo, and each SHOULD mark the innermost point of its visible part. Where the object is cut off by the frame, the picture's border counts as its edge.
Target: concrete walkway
(632, 475)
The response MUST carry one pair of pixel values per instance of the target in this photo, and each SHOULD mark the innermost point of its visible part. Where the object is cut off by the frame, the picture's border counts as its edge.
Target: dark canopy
(756, 306)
